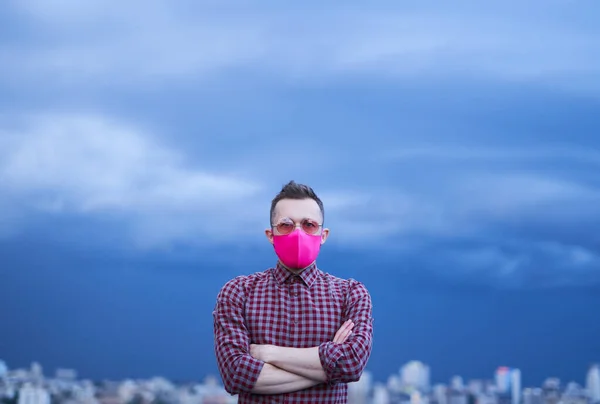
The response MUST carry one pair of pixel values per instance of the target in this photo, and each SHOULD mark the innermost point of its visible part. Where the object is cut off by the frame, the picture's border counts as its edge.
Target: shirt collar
(283, 275)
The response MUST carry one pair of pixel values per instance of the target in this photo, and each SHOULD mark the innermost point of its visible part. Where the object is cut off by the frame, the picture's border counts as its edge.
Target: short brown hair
(293, 190)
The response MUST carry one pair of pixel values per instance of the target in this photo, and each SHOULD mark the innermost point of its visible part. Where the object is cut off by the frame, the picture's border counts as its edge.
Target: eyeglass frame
(298, 225)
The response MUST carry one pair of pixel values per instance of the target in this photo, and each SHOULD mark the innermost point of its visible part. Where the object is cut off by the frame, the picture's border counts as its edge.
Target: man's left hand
(260, 352)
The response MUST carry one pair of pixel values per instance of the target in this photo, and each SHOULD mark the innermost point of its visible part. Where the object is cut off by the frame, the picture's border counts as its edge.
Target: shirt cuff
(329, 354)
(248, 370)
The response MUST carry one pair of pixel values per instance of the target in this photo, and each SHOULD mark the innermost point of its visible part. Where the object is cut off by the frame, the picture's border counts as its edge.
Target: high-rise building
(380, 394)
(592, 384)
(574, 394)
(485, 397)
(503, 379)
(456, 383)
(3, 369)
(417, 398)
(440, 394)
(508, 383)
(476, 387)
(29, 394)
(358, 392)
(36, 373)
(393, 383)
(415, 375)
(533, 396)
(515, 383)
(457, 397)
(551, 390)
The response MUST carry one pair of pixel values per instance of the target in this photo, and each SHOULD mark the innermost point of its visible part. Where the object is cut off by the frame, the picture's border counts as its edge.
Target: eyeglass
(286, 226)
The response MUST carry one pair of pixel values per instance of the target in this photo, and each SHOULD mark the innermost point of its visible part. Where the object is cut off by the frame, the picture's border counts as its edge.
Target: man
(293, 334)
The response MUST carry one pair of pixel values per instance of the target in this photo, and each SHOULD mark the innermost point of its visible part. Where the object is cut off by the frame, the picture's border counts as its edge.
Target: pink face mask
(298, 249)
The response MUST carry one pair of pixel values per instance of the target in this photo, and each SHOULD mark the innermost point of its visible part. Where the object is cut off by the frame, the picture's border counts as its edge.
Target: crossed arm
(290, 369)
(269, 369)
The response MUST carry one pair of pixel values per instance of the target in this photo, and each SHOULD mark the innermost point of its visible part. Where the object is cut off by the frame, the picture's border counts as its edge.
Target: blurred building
(593, 384)
(533, 396)
(66, 374)
(439, 394)
(551, 390)
(399, 398)
(574, 394)
(476, 387)
(3, 369)
(487, 398)
(36, 373)
(456, 397)
(380, 394)
(456, 383)
(415, 375)
(359, 392)
(31, 394)
(508, 383)
(394, 383)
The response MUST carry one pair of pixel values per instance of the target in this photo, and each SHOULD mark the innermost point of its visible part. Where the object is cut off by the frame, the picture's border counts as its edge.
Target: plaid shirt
(302, 311)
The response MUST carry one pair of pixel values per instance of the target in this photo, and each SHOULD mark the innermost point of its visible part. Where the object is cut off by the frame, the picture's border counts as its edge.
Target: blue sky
(455, 147)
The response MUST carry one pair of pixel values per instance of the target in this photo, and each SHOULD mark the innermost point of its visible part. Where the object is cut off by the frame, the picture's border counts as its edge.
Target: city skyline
(33, 386)
(414, 373)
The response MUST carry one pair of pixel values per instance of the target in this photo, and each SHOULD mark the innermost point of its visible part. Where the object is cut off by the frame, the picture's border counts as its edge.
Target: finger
(343, 334)
(344, 326)
(348, 324)
(346, 332)
(341, 330)
(339, 338)
(343, 337)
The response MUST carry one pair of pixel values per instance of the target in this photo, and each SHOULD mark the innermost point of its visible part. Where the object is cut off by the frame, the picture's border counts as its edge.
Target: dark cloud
(455, 148)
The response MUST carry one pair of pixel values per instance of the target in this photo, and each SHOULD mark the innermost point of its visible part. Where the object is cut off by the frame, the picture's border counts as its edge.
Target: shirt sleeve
(346, 362)
(239, 370)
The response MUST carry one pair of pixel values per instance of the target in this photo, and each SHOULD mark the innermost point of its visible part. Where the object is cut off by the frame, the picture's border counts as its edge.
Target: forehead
(297, 209)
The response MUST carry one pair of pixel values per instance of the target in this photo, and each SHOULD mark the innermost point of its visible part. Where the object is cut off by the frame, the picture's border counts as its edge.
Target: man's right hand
(344, 332)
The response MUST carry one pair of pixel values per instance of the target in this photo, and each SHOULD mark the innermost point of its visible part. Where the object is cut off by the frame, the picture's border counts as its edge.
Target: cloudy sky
(455, 144)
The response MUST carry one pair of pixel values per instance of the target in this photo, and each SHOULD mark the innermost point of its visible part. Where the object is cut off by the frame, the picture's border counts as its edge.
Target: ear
(269, 234)
(324, 235)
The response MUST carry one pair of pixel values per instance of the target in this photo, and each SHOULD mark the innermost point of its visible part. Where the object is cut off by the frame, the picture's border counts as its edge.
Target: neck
(296, 271)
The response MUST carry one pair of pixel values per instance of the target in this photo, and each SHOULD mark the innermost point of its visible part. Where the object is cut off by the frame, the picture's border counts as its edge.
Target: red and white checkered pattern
(301, 311)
